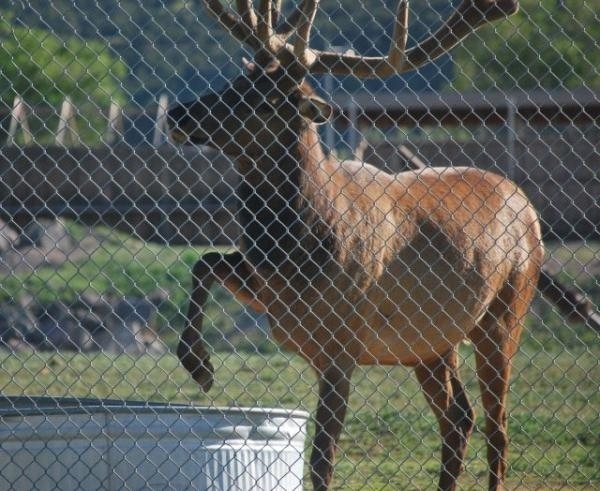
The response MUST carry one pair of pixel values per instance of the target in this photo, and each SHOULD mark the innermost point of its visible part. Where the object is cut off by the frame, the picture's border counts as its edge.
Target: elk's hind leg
(447, 398)
(231, 271)
(495, 341)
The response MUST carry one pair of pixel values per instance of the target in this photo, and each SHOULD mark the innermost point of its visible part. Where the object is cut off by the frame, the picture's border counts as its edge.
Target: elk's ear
(249, 66)
(315, 109)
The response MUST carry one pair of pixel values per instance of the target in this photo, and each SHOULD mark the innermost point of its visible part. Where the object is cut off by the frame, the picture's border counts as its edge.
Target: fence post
(511, 122)
(115, 126)
(411, 158)
(18, 117)
(67, 125)
(161, 127)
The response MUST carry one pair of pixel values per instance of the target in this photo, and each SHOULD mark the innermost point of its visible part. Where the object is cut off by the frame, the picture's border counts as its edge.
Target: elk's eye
(269, 105)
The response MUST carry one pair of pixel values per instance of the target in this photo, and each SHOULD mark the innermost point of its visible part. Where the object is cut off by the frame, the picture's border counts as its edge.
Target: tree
(550, 44)
(170, 46)
(43, 68)
(176, 46)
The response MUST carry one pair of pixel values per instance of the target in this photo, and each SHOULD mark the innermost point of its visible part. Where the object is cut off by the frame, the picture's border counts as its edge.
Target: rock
(57, 328)
(92, 323)
(8, 237)
(16, 320)
(46, 234)
(43, 242)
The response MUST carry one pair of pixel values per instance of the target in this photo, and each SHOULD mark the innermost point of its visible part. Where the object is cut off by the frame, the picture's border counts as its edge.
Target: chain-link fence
(312, 279)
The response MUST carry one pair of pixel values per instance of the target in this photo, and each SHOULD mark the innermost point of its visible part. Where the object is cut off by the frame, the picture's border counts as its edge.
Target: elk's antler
(257, 30)
(261, 32)
(468, 16)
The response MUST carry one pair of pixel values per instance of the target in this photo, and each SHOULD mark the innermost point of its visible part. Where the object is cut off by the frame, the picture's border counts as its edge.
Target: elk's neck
(284, 213)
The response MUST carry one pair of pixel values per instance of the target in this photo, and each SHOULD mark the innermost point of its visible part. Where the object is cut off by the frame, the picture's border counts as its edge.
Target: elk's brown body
(354, 265)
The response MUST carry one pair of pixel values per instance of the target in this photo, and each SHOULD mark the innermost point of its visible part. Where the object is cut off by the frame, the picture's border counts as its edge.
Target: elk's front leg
(334, 388)
(231, 271)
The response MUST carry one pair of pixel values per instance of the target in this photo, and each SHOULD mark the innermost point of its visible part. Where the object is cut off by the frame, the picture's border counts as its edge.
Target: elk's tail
(572, 304)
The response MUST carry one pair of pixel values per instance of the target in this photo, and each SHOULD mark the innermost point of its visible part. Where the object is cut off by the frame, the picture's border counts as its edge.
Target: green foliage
(548, 44)
(43, 68)
(175, 46)
(165, 44)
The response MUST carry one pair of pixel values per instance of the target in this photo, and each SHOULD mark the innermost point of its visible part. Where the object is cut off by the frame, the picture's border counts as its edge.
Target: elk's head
(268, 103)
(271, 101)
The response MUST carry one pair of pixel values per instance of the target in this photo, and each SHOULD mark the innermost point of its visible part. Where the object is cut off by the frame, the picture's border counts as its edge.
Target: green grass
(117, 265)
(120, 266)
(390, 440)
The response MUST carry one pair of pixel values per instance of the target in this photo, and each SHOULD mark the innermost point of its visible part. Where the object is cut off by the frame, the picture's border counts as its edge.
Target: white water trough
(48, 443)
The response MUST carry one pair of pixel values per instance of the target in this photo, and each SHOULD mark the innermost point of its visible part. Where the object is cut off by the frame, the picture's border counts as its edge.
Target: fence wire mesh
(319, 280)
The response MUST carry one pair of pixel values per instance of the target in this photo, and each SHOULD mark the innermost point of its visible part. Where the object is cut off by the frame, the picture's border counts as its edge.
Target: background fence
(102, 219)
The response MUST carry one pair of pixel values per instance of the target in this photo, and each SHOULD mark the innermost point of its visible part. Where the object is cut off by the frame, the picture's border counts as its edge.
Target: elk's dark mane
(286, 217)
(305, 216)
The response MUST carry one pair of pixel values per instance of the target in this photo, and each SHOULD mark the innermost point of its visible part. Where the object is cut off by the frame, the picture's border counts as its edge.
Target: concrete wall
(187, 195)
(166, 194)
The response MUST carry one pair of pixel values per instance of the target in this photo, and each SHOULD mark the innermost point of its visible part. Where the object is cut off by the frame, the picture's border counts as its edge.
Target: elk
(353, 265)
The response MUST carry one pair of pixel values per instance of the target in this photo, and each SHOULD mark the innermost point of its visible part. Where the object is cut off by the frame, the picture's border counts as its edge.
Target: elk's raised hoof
(201, 369)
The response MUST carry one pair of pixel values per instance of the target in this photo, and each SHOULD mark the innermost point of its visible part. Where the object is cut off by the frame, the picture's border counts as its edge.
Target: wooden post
(161, 128)
(67, 125)
(115, 127)
(412, 158)
(359, 151)
(511, 122)
(18, 117)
